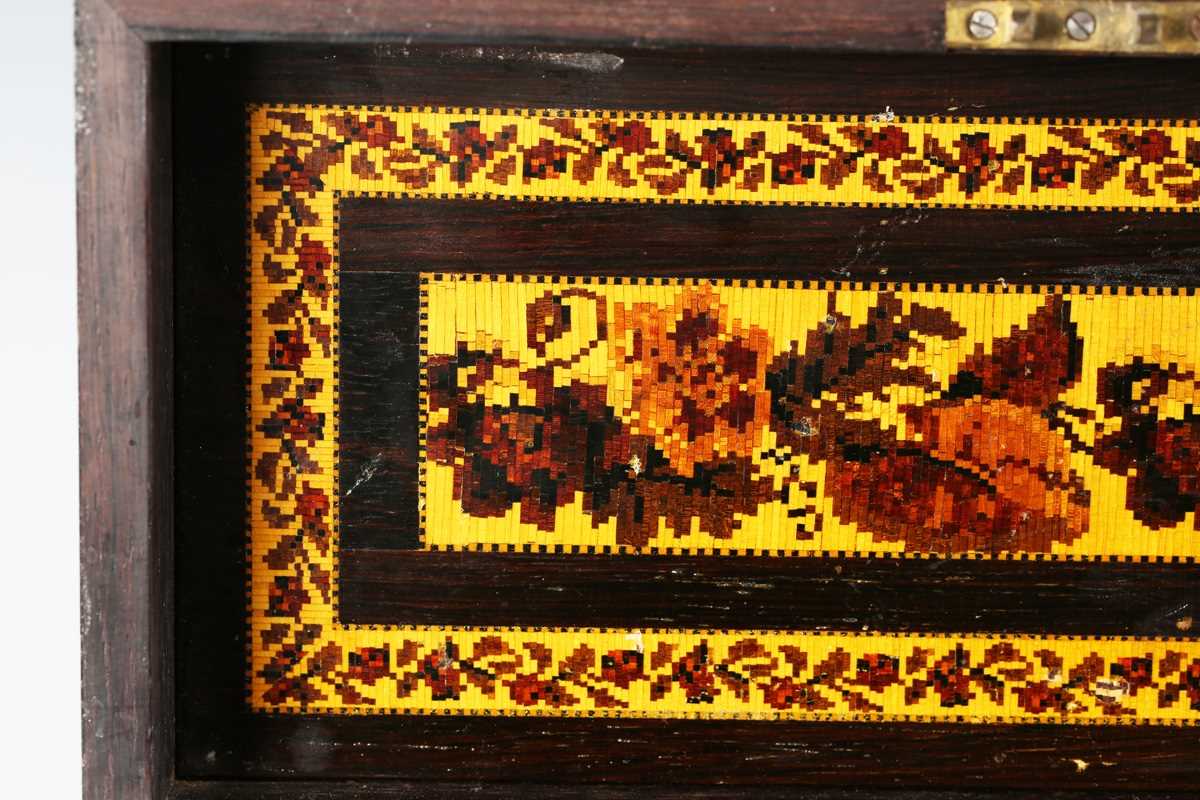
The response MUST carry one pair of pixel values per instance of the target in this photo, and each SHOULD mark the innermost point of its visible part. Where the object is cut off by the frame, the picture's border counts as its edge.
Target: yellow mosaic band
(663, 415)
(301, 658)
(734, 674)
(733, 158)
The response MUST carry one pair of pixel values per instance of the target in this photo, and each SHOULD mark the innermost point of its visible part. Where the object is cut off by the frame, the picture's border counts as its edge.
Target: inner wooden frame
(217, 740)
(386, 242)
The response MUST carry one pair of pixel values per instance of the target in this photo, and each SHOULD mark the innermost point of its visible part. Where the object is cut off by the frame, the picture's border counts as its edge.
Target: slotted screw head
(1081, 25)
(981, 24)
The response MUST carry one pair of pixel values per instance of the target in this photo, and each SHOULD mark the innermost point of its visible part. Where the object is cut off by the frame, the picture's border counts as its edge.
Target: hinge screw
(981, 24)
(1081, 25)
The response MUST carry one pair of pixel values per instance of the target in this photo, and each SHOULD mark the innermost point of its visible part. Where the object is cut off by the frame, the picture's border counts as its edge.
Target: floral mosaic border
(303, 660)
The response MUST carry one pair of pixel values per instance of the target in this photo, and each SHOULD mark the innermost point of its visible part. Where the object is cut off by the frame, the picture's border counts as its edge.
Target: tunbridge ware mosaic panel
(765, 417)
(772, 417)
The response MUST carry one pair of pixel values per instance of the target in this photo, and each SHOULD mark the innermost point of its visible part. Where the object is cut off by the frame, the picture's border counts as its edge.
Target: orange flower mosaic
(697, 378)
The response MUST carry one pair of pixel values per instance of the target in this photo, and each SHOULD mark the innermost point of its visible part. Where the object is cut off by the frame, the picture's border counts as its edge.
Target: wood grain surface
(672, 754)
(702, 79)
(386, 241)
(948, 245)
(124, 234)
(913, 25)
(388, 789)
(380, 587)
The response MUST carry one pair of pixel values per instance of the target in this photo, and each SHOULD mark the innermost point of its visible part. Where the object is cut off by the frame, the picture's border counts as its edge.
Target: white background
(39, 540)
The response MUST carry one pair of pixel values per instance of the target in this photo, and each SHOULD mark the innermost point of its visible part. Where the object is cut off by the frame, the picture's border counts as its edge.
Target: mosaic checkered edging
(302, 659)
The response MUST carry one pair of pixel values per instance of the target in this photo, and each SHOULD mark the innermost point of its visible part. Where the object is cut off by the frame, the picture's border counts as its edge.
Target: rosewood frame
(125, 288)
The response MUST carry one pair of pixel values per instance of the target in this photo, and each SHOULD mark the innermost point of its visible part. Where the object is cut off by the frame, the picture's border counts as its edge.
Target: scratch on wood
(599, 63)
(367, 472)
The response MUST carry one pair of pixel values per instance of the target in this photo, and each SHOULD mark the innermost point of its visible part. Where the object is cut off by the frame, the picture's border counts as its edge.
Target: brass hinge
(1075, 26)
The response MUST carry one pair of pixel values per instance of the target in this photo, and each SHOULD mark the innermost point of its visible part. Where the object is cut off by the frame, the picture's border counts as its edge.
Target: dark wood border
(892, 26)
(125, 421)
(390, 790)
(124, 234)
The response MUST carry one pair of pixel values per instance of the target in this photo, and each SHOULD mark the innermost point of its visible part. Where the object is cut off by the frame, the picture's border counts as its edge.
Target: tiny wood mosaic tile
(910, 419)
